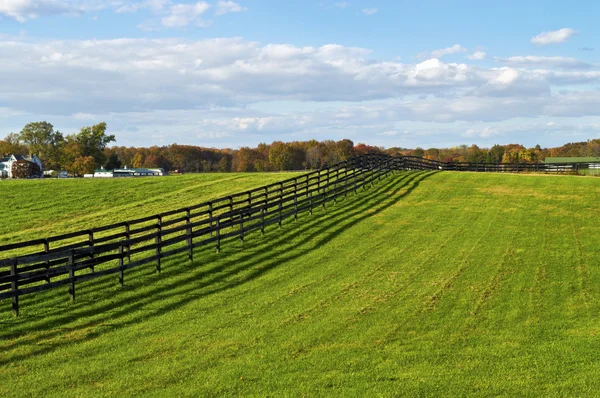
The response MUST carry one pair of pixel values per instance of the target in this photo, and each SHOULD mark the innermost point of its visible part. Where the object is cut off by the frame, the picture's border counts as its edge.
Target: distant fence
(418, 163)
(48, 263)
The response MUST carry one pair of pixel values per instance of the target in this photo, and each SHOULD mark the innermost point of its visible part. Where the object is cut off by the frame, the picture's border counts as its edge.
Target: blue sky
(224, 73)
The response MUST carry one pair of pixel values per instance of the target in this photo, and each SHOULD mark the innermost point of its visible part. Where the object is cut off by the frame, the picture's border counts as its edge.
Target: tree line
(83, 152)
(78, 153)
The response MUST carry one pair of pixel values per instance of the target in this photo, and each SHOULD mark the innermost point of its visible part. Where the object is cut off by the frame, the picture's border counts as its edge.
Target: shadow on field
(183, 282)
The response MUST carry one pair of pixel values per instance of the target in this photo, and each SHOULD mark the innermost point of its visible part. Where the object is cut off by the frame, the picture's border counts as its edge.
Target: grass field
(47, 207)
(427, 284)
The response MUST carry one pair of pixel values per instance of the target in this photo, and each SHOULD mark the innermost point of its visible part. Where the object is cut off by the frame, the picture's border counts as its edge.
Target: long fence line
(418, 163)
(48, 263)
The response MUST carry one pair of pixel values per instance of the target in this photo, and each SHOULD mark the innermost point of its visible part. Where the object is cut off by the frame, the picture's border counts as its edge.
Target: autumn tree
(138, 160)
(83, 165)
(25, 169)
(11, 144)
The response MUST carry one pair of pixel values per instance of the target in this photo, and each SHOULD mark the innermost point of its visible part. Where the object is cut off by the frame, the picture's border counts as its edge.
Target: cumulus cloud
(369, 11)
(441, 52)
(553, 37)
(227, 6)
(477, 56)
(544, 62)
(181, 15)
(213, 84)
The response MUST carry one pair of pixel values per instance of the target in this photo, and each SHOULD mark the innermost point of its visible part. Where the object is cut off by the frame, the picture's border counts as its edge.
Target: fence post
(337, 177)
(210, 216)
(295, 199)
(218, 232)
(307, 184)
(280, 201)
(70, 265)
(121, 265)
(158, 242)
(231, 209)
(325, 188)
(189, 234)
(91, 244)
(346, 181)
(47, 250)
(262, 219)
(310, 204)
(128, 237)
(242, 225)
(14, 286)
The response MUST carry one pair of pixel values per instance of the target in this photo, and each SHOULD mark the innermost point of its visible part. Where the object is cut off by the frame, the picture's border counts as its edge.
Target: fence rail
(66, 259)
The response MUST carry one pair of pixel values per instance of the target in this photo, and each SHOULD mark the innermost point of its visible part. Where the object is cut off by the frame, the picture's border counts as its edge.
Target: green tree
(93, 140)
(43, 141)
(280, 155)
(113, 162)
(225, 164)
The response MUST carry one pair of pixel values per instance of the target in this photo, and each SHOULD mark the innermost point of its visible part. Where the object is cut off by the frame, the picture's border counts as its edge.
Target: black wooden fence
(67, 259)
(47, 263)
(417, 163)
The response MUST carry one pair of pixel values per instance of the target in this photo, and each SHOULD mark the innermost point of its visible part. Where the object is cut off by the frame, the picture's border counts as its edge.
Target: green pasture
(34, 208)
(427, 284)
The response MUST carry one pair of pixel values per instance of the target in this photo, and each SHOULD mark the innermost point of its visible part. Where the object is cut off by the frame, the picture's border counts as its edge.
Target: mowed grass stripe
(427, 284)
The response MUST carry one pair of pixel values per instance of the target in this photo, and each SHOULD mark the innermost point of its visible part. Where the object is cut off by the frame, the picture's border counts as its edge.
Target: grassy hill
(428, 284)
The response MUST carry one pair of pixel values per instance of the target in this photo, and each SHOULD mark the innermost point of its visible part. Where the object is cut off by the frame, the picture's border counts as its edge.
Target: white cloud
(553, 37)
(182, 15)
(439, 53)
(485, 132)
(227, 6)
(212, 85)
(477, 56)
(342, 4)
(543, 62)
(369, 11)
(22, 10)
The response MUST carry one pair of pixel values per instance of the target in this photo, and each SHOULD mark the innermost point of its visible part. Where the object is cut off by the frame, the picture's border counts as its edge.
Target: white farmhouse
(6, 163)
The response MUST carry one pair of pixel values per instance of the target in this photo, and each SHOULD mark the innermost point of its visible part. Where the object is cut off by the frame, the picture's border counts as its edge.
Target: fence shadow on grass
(189, 283)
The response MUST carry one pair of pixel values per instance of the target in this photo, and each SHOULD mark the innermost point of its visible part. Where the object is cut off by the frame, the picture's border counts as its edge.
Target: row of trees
(511, 153)
(87, 150)
(78, 154)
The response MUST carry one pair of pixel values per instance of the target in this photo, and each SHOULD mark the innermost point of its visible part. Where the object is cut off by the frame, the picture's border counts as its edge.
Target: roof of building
(573, 159)
(17, 157)
(136, 170)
